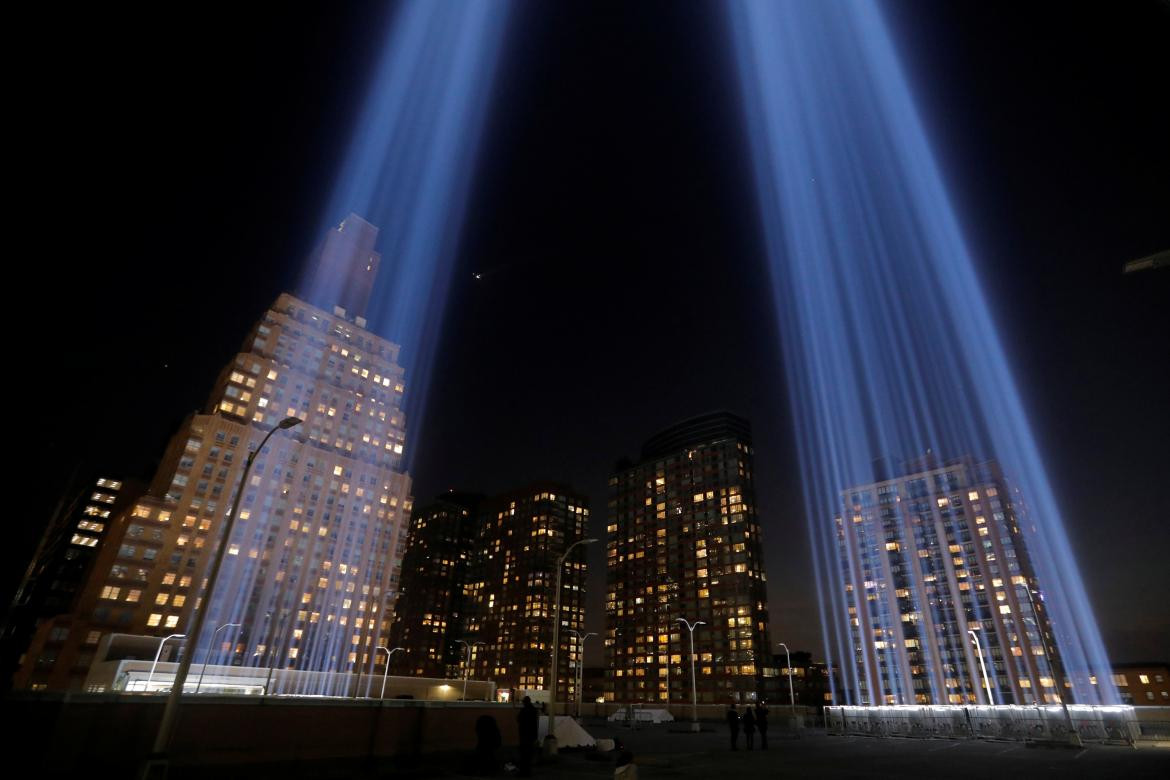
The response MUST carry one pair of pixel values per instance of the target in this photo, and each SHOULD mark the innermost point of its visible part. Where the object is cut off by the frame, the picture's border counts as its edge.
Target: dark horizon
(613, 224)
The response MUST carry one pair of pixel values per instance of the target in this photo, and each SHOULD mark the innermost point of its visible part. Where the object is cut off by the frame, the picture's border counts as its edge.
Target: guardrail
(1104, 724)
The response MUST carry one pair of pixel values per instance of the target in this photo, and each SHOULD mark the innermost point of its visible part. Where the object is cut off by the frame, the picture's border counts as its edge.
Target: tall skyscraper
(431, 612)
(483, 570)
(931, 558)
(312, 567)
(683, 541)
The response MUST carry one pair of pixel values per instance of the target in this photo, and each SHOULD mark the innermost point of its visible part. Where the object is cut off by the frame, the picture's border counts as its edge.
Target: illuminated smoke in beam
(409, 168)
(889, 345)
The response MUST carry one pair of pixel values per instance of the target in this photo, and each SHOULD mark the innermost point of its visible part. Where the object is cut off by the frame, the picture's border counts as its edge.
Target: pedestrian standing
(526, 720)
(733, 725)
(749, 727)
(762, 724)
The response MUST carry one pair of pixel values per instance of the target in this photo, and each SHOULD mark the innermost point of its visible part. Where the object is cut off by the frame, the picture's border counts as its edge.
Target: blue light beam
(889, 344)
(409, 168)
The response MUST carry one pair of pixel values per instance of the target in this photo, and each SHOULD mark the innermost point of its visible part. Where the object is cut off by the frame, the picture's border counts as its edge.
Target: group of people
(753, 719)
(488, 741)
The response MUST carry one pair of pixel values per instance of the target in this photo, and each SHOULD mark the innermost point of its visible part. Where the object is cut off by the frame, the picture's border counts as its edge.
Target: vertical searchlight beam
(408, 171)
(891, 354)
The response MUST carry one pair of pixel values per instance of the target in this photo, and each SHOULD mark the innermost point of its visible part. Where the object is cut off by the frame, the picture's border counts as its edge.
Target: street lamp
(157, 653)
(791, 695)
(580, 664)
(466, 666)
(167, 725)
(276, 638)
(206, 658)
(550, 743)
(986, 682)
(1074, 736)
(386, 671)
(694, 689)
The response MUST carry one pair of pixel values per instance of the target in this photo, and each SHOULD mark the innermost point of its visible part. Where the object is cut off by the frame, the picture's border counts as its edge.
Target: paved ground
(663, 753)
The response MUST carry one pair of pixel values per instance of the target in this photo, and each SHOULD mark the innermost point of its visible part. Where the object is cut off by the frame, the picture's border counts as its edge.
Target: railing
(1115, 724)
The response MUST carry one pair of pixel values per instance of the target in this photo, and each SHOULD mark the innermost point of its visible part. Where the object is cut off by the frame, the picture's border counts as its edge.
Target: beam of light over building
(409, 167)
(889, 344)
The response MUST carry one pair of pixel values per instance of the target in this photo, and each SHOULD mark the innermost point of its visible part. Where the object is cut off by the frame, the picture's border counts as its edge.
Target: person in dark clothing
(749, 727)
(487, 742)
(733, 725)
(527, 719)
(762, 724)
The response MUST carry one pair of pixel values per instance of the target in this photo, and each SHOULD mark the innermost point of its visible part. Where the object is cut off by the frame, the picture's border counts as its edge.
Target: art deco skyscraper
(312, 567)
(683, 541)
(344, 268)
(929, 559)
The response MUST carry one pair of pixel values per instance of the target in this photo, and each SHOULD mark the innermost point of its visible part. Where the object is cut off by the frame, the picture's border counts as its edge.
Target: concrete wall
(110, 733)
(777, 713)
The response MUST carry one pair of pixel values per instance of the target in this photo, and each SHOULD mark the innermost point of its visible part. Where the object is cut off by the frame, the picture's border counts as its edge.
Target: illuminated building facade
(511, 587)
(312, 568)
(483, 570)
(1145, 684)
(430, 614)
(930, 559)
(57, 574)
(683, 541)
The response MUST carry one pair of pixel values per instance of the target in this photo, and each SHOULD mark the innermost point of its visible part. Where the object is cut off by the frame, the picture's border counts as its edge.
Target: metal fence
(1047, 723)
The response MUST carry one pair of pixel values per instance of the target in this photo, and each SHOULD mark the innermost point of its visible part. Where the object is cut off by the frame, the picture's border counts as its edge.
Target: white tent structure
(569, 733)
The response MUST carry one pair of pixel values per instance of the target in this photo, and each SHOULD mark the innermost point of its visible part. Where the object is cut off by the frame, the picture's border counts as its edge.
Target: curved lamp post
(157, 653)
(694, 689)
(580, 664)
(982, 667)
(466, 665)
(386, 671)
(207, 657)
(167, 725)
(550, 741)
(791, 696)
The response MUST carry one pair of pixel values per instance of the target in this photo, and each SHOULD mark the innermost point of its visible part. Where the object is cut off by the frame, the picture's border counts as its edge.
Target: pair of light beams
(889, 344)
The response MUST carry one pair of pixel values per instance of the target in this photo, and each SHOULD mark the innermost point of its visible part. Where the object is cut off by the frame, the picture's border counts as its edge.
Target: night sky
(172, 172)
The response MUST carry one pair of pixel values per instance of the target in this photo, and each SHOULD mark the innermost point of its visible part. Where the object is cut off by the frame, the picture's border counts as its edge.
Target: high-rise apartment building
(521, 536)
(683, 541)
(58, 571)
(479, 583)
(431, 610)
(312, 566)
(929, 560)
